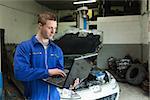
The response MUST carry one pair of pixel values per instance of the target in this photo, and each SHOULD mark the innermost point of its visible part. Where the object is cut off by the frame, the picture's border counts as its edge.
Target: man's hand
(76, 83)
(56, 71)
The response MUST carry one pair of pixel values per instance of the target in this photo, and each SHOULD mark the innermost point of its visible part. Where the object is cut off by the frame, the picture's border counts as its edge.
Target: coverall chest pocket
(36, 58)
(53, 60)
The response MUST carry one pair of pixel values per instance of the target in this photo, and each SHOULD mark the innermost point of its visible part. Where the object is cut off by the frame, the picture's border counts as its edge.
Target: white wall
(144, 22)
(120, 29)
(18, 18)
(117, 29)
(144, 27)
(62, 27)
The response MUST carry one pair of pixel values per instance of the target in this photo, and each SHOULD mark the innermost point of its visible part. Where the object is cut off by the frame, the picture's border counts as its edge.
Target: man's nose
(52, 31)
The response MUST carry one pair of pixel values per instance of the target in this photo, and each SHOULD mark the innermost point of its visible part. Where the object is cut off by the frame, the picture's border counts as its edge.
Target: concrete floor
(130, 92)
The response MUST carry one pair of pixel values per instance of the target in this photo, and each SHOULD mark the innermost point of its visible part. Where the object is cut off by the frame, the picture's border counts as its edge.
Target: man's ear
(39, 25)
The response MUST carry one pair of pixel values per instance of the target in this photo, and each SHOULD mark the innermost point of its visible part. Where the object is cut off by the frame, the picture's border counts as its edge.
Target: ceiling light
(83, 2)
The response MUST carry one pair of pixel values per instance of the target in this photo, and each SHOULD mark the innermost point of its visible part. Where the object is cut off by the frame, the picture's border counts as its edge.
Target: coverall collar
(35, 41)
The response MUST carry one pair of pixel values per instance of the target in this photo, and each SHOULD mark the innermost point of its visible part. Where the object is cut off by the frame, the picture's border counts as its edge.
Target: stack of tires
(131, 71)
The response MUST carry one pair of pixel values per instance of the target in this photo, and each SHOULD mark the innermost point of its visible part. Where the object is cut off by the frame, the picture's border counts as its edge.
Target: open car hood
(76, 41)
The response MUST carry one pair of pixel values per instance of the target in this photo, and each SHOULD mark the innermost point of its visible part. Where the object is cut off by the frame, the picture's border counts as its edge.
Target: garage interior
(126, 39)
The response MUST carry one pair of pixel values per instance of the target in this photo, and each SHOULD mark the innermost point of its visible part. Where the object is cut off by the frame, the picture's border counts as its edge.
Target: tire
(135, 74)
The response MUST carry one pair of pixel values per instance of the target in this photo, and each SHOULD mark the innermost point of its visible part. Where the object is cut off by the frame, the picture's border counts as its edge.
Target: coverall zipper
(47, 68)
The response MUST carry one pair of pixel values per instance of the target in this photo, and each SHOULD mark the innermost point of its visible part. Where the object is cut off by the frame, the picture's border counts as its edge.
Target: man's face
(48, 30)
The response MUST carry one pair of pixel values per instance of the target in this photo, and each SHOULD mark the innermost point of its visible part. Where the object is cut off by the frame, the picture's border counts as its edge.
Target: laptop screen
(80, 69)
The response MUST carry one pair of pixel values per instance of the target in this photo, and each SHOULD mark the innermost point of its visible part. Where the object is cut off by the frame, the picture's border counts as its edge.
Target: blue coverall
(31, 64)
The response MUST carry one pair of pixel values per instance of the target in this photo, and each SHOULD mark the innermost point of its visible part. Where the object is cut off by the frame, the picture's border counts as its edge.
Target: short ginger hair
(44, 16)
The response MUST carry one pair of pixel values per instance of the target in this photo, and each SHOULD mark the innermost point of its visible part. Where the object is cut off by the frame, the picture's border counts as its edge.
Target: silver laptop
(80, 69)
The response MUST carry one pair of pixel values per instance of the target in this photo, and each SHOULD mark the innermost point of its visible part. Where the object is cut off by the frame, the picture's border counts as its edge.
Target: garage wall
(63, 26)
(18, 18)
(145, 50)
(118, 51)
(145, 34)
(120, 29)
(122, 35)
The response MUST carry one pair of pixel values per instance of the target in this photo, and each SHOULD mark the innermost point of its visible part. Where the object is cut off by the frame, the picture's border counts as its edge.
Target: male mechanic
(39, 58)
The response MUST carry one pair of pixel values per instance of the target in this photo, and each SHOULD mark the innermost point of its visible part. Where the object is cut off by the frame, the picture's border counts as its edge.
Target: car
(103, 91)
(85, 45)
